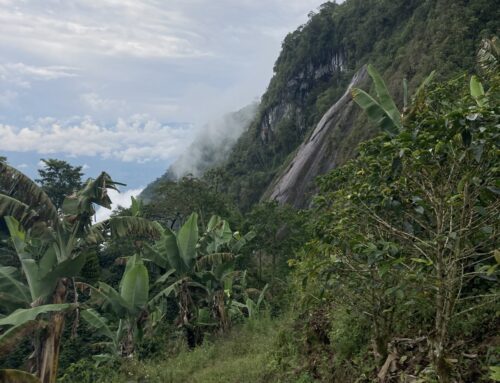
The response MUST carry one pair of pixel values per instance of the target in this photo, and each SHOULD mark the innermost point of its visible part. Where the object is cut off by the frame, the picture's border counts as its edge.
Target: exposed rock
(315, 156)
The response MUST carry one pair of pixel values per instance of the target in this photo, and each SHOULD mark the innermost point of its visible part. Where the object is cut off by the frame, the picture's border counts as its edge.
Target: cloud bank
(138, 138)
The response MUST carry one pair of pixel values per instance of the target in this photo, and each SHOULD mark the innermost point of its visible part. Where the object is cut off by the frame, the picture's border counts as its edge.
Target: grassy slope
(238, 357)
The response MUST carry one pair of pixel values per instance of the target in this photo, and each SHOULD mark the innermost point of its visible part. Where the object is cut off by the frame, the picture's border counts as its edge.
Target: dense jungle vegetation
(391, 275)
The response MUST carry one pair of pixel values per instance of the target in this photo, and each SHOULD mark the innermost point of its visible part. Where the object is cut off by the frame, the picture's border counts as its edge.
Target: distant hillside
(402, 38)
(210, 147)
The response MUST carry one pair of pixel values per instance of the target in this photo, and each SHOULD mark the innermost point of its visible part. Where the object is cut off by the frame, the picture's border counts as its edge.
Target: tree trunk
(51, 344)
(443, 306)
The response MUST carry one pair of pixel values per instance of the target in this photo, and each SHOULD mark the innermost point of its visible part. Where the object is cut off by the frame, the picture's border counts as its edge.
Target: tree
(200, 271)
(52, 244)
(128, 308)
(59, 179)
(415, 216)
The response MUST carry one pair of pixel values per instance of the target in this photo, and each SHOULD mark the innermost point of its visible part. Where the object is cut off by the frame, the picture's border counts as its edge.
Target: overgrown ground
(241, 356)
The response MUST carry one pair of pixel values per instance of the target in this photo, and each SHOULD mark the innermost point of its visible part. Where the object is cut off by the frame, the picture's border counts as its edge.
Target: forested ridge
(389, 275)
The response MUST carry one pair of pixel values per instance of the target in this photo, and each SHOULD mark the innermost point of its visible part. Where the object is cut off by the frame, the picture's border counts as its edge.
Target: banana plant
(51, 245)
(382, 109)
(128, 307)
(200, 271)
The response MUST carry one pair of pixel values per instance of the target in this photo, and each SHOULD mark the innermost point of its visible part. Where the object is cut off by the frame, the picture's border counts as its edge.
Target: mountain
(401, 38)
(280, 153)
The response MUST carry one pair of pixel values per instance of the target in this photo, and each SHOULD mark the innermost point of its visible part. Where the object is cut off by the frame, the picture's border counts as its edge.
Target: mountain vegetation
(390, 274)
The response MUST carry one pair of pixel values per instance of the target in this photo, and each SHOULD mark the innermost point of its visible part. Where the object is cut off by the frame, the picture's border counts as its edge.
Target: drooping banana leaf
(11, 286)
(15, 184)
(120, 227)
(107, 297)
(12, 207)
(98, 322)
(21, 316)
(375, 112)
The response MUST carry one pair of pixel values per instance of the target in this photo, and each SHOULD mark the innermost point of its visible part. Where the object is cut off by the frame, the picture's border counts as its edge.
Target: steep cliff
(319, 153)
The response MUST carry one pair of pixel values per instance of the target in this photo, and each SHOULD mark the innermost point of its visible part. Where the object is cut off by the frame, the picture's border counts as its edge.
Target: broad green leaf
(21, 316)
(11, 285)
(166, 291)
(135, 286)
(98, 322)
(375, 112)
(67, 269)
(18, 237)
(477, 90)
(165, 276)
(384, 98)
(156, 255)
(187, 239)
(109, 299)
(168, 244)
(12, 207)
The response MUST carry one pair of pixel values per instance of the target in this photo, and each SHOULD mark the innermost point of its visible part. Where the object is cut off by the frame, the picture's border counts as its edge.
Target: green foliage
(408, 229)
(59, 179)
(221, 360)
(172, 202)
(382, 111)
(403, 39)
(85, 371)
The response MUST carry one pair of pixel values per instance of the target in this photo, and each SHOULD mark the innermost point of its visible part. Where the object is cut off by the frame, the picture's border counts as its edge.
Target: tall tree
(59, 179)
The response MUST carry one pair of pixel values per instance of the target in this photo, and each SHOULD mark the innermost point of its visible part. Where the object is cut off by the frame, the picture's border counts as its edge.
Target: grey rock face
(315, 155)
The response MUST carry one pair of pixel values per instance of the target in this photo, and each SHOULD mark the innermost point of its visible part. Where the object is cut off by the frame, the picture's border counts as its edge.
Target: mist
(213, 142)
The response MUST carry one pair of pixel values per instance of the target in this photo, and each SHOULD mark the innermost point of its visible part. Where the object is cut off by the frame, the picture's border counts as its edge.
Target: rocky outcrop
(316, 155)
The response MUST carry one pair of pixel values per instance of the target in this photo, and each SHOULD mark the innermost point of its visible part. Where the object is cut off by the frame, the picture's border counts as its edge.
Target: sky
(124, 85)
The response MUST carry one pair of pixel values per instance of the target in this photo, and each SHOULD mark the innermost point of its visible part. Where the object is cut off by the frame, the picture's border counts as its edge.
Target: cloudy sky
(123, 85)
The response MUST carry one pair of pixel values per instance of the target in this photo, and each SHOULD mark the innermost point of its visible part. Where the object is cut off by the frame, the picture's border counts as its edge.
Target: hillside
(210, 147)
(344, 230)
(403, 39)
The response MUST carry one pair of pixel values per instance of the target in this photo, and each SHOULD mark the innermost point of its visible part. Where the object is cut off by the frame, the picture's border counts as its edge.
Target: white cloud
(118, 199)
(143, 29)
(137, 138)
(22, 75)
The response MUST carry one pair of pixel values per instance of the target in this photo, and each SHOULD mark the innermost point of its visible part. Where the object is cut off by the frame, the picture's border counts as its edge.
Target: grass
(240, 356)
